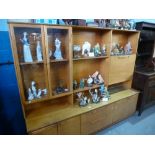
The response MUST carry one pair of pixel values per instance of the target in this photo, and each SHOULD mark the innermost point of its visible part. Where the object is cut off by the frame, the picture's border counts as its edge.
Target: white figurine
(39, 93)
(128, 48)
(44, 91)
(39, 52)
(30, 95)
(26, 48)
(57, 53)
(34, 90)
(86, 48)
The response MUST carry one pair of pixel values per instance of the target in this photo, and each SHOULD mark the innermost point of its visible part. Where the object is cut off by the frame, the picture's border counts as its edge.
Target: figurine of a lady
(57, 53)
(39, 52)
(26, 48)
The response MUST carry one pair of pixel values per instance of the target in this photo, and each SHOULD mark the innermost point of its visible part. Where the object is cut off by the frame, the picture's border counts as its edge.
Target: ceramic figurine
(132, 25)
(106, 93)
(30, 95)
(34, 90)
(39, 93)
(57, 53)
(44, 91)
(82, 83)
(128, 48)
(75, 84)
(83, 100)
(103, 50)
(76, 51)
(59, 90)
(100, 78)
(86, 48)
(97, 50)
(90, 81)
(95, 97)
(91, 53)
(26, 48)
(39, 51)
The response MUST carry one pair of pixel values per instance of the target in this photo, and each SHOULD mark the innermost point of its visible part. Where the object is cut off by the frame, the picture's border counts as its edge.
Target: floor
(134, 125)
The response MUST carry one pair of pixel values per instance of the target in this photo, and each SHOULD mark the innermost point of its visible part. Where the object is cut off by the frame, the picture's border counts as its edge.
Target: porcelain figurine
(59, 90)
(128, 48)
(91, 53)
(106, 94)
(39, 51)
(76, 51)
(75, 84)
(94, 95)
(90, 81)
(83, 100)
(26, 48)
(57, 53)
(97, 50)
(103, 50)
(34, 90)
(86, 48)
(44, 91)
(100, 78)
(82, 83)
(39, 93)
(30, 95)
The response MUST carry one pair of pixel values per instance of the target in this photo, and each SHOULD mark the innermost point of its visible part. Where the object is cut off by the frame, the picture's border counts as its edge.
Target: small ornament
(39, 51)
(83, 100)
(75, 84)
(103, 50)
(101, 81)
(94, 95)
(30, 95)
(90, 81)
(76, 51)
(26, 48)
(44, 91)
(57, 53)
(128, 48)
(39, 93)
(86, 48)
(34, 90)
(82, 83)
(97, 51)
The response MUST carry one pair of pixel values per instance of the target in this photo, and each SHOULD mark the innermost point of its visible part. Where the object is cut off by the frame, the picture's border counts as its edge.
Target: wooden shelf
(61, 95)
(89, 58)
(63, 60)
(86, 88)
(31, 63)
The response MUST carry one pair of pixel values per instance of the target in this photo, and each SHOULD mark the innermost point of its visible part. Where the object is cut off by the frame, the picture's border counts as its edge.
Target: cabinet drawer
(70, 126)
(121, 68)
(50, 130)
(151, 82)
(96, 119)
(124, 108)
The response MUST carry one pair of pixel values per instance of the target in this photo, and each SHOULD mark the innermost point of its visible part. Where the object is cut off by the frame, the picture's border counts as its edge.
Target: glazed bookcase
(60, 113)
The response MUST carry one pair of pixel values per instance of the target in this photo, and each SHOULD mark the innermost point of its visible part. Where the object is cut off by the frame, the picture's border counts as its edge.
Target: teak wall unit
(59, 113)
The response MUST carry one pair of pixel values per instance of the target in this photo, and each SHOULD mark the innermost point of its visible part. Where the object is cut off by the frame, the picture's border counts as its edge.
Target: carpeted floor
(134, 125)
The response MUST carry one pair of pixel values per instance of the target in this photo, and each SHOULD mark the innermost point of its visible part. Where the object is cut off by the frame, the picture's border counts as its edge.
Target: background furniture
(144, 75)
(60, 113)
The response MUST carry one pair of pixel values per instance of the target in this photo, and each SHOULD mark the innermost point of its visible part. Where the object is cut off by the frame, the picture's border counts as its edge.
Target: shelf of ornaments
(47, 97)
(89, 58)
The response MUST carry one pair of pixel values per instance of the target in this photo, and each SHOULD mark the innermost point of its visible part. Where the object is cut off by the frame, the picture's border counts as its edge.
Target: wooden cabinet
(95, 120)
(121, 68)
(50, 130)
(70, 126)
(55, 103)
(124, 108)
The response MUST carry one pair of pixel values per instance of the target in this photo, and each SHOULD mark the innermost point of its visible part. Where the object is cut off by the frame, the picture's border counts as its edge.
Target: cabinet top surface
(73, 26)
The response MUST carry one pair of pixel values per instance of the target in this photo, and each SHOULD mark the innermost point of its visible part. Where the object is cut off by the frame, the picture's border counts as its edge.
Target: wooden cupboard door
(50, 130)
(124, 108)
(95, 120)
(70, 126)
(121, 68)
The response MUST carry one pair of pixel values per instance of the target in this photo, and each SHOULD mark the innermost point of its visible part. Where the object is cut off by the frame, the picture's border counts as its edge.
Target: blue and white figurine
(39, 51)
(57, 53)
(26, 48)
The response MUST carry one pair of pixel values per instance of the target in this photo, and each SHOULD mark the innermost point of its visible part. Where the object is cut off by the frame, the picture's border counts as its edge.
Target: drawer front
(50, 130)
(70, 126)
(95, 120)
(151, 82)
(124, 108)
(121, 68)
